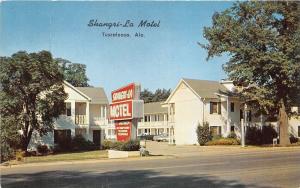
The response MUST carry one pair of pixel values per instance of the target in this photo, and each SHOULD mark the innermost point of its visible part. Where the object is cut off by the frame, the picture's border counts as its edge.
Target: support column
(87, 111)
(73, 111)
(170, 136)
(228, 118)
(105, 112)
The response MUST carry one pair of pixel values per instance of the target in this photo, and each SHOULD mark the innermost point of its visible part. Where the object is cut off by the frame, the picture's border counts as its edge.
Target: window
(80, 131)
(215, 107)
(298, 131)
(68, 108)
(215, 130)
(232, 107)
(147, 118)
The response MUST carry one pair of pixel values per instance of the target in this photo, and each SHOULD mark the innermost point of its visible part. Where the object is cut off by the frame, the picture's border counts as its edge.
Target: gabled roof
(96, 94)
(154, 108)
(206, 88)
(202, 88)
(75, 89)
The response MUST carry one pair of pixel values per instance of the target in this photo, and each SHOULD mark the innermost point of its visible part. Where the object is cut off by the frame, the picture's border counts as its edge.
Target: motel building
(193, 102)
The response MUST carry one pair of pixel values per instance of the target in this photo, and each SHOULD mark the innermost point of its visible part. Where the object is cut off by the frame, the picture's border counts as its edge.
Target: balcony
(80, 120)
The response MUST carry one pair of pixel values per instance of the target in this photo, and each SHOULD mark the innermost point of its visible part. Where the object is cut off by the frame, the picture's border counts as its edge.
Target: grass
(67, 156)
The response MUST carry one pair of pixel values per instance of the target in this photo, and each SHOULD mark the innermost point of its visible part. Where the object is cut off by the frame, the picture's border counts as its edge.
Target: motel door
(96, 137)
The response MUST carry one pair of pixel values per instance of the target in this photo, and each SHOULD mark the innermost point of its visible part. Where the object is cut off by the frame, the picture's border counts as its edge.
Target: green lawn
(68, 156)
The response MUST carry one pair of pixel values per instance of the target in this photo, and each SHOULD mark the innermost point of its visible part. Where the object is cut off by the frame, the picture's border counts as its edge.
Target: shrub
(107, 144)
(232, 135)
(203, 133)
(223, 141)
(131, 146)
(20, 155)
(257, 136)
(79, 143)
(43, 149)
(216, 137)
(7, 153)
(122, 146)
(253, 136)
(268, 134)
(117, 145)
(293, 139)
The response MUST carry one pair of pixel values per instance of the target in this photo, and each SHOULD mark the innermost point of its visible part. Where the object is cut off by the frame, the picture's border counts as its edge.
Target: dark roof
(96, 94)
(206, 88)
(154, 108)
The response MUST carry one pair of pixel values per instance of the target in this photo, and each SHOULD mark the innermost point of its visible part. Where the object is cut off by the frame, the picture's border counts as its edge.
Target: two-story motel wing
(193, 102)
(86, 114)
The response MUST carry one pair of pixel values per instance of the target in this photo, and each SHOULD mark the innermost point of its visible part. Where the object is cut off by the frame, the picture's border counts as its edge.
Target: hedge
(223, 141)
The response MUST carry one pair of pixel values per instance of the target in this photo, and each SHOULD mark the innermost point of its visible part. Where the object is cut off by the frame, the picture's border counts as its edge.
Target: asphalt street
(244, 169)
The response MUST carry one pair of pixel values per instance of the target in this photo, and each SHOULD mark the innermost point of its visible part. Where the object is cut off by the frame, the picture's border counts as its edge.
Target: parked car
(161, 138)
(145, 137)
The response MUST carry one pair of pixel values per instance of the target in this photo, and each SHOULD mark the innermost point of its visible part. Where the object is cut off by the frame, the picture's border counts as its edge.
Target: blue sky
(158, 60)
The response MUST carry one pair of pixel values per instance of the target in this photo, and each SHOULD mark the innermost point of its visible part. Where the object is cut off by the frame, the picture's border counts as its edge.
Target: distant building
(155, 119)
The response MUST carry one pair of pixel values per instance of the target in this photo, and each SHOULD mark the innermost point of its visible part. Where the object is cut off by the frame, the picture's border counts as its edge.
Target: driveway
(163, 148)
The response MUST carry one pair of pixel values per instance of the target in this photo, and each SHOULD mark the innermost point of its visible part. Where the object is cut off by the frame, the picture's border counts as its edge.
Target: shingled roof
(206, 88)
(154, 108)
(96, 94)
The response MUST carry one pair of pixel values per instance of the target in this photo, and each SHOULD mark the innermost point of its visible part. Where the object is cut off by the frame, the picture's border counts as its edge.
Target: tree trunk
(284, 139)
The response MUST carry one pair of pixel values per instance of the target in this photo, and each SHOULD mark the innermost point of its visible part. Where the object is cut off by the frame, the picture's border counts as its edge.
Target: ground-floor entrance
(97, 137)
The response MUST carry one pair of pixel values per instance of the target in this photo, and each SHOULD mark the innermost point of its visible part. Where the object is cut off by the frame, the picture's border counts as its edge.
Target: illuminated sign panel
(123, 94)
(121, 110)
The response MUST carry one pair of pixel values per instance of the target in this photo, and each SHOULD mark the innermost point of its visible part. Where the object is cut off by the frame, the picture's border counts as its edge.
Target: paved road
(248, 168)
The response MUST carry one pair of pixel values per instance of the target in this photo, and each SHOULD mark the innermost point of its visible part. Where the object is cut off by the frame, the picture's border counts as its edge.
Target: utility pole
(243, 124)
(243, 133)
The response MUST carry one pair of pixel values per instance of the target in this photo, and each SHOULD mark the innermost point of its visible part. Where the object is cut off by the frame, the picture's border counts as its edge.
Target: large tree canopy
(74, 73)
(32, 94)
(262, 40)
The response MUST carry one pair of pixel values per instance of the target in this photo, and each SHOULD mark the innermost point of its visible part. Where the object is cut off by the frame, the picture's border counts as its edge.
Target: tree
(74, 73)
(32, 94)
(262, 41)
(158, 96)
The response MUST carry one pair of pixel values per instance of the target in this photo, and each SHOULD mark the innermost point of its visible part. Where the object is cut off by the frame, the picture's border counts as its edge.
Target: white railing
(153, 124)
(80, 119)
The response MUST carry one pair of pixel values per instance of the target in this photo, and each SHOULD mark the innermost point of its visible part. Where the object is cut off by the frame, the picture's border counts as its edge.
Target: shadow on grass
(115, 179)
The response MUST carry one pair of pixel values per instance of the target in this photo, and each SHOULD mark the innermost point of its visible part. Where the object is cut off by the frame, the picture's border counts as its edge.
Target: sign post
(126, 109)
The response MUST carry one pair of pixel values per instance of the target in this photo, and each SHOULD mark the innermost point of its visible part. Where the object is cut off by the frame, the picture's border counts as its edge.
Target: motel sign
(125, 110)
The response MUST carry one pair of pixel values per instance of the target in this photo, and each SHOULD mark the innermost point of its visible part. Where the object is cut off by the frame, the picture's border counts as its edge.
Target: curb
(87, 161)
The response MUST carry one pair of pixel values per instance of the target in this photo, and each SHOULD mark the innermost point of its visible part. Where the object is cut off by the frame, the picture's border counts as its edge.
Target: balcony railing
(80, 119)
(153, 124)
